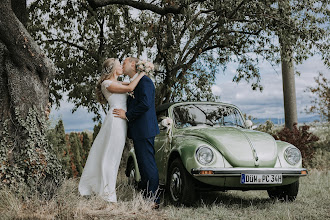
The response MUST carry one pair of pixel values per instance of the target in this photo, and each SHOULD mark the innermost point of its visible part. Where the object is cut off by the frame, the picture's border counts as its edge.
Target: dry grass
(313, 202)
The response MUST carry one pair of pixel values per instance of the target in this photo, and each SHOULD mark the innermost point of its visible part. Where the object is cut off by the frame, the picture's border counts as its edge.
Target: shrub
(301, 138)
(268, 127)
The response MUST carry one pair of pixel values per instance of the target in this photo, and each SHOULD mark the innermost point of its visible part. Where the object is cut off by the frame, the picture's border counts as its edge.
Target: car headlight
(292, 155)
(204, 155)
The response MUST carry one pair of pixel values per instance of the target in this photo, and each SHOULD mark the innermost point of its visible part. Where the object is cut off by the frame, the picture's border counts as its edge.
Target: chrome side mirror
(248, 124)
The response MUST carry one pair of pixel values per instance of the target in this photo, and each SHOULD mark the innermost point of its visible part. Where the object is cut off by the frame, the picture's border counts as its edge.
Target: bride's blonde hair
(108, 69)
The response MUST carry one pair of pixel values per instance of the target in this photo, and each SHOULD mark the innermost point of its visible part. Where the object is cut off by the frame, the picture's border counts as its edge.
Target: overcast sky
(266, 104)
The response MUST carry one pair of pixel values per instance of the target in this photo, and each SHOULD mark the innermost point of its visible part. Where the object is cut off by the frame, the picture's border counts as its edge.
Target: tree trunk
(289, 89)
(25, 72)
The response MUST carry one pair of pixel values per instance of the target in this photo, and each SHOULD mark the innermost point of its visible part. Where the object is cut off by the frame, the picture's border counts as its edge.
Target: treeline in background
(313, 141)
(71, 148)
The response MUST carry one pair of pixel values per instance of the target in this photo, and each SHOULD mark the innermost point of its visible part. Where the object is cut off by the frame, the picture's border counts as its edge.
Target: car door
(161, 148)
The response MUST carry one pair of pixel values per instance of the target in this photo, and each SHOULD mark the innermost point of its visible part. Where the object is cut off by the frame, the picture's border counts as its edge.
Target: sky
(265, 104)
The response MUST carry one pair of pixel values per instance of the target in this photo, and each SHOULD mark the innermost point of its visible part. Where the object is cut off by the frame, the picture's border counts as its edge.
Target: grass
(313, 202)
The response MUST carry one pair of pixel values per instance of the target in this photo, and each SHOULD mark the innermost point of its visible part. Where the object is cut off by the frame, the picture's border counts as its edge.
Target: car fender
(281, 146)
(186, 150)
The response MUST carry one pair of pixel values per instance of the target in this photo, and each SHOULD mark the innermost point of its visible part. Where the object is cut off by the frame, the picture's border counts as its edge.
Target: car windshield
(206, 114)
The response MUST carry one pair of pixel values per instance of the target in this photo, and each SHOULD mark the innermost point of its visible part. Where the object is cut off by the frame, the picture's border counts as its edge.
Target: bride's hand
(143, 73)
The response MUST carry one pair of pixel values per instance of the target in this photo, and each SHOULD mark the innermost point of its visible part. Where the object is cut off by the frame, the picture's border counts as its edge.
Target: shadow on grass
(233, 199)
(230, 199)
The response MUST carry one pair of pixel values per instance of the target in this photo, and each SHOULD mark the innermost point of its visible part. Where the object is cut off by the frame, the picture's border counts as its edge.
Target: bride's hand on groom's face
(119, 113)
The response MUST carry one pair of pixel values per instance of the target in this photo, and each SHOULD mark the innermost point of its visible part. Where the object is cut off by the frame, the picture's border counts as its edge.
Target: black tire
(131, 174)
(285, 193)
(180, 185)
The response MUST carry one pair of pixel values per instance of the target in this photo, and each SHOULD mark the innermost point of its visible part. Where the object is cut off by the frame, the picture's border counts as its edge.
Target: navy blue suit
(142, 128)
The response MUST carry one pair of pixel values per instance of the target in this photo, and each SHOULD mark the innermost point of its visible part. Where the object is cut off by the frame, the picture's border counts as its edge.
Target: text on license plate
(261, 178)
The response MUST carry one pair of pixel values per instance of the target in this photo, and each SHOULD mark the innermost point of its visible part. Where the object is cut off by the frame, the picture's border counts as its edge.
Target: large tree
(25, 73)
(78, 39)
(190, 40)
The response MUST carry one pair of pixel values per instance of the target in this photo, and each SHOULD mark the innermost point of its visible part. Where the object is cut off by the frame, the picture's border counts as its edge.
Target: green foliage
(86, 146)
(268, 127)
(76, 148)
(321, 100)
(96, 130)
(189, 47)
(71, 149)
(56, 137)
(301, 138)
(34, 161)
(78, 39)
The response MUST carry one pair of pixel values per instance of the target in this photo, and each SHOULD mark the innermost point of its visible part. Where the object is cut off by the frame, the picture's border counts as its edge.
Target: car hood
(241, 147)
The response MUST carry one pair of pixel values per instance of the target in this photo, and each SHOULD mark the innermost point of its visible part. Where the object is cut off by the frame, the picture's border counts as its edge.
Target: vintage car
(204, 146)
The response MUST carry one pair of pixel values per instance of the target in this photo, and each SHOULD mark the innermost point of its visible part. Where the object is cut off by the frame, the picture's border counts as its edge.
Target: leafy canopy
(190, 41)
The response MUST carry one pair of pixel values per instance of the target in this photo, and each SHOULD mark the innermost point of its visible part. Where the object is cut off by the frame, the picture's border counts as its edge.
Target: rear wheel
(285, 193)
(180, 184)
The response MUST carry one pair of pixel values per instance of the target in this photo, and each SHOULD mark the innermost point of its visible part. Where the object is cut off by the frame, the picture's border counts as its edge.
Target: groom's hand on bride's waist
(119, 113)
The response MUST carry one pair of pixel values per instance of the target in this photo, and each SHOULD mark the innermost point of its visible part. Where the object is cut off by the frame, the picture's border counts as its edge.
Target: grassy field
(313, 202)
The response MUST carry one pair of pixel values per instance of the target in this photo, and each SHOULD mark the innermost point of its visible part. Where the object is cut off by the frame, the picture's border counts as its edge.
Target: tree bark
(19, 8)
(25, 72)
(289, 89)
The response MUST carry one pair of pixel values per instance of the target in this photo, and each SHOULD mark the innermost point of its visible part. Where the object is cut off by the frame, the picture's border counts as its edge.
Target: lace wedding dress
(100, 172)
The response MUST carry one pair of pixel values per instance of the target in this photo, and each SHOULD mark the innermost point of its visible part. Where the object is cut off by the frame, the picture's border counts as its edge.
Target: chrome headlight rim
(201, 149)
(289, 155)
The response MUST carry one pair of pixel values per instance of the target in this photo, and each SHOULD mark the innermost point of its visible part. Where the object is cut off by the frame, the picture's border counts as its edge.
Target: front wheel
(180, 184)
(286, 193)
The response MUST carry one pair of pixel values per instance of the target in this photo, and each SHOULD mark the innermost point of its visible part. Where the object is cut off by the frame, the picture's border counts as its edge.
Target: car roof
(165, 106)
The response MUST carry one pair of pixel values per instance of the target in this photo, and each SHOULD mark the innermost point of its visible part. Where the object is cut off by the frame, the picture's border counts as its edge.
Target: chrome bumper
(232, 172)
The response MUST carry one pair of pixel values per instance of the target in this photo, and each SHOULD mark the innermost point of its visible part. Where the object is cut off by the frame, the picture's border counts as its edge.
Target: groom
(142, 127)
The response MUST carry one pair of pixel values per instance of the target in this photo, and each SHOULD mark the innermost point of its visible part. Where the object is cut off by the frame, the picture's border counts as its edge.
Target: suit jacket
(141, 113)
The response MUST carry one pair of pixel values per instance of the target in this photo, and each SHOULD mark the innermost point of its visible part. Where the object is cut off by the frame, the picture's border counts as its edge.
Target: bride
(101, 168)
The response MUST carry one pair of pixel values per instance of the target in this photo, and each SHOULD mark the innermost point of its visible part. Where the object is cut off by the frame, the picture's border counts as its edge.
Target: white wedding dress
(100, 172)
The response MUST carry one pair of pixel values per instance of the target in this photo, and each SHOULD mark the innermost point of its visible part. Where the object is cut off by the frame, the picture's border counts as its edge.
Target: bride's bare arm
(122, 88)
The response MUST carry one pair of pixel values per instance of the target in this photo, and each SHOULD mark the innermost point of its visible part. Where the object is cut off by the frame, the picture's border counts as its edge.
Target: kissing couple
(132, 106)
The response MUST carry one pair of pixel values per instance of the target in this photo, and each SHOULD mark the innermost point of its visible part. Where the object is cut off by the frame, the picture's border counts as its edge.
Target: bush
(301, 138)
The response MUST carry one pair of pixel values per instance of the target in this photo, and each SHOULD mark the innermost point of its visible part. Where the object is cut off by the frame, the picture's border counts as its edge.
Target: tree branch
(143, 5)
(237, 8)
(69, 43)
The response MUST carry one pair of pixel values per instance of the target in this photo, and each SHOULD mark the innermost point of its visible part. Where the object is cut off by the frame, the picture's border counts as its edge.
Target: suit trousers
(145, 155)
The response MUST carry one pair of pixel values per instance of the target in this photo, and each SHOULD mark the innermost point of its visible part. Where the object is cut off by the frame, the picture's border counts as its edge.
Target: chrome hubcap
(176, 184)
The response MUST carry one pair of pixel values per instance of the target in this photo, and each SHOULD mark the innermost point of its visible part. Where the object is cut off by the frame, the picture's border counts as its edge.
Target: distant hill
(258, 121)
(279, 121)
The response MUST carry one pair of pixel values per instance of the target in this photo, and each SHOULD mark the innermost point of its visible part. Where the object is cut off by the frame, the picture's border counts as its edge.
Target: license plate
(261, 178)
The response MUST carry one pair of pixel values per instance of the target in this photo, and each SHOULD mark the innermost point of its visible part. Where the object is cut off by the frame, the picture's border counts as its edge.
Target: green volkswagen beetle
(204, 146)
